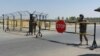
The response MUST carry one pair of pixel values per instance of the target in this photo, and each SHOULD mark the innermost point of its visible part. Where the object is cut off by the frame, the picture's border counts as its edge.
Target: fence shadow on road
(69, 44)
(90, 55)
(52, 41)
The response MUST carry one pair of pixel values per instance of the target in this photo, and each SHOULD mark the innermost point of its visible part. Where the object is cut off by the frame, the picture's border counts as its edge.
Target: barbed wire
(23, 15)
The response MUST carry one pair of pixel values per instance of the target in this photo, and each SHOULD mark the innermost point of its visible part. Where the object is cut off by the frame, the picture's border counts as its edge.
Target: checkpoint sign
(60, 26)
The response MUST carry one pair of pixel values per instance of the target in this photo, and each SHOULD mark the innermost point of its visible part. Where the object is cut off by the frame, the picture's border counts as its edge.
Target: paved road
(51, 44)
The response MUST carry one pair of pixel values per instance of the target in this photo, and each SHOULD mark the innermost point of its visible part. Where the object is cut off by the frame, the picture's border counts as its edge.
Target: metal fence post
(21, 23)
(13, 23)
(3, 22)
(45, 17)
(8, 21)
(94, 44)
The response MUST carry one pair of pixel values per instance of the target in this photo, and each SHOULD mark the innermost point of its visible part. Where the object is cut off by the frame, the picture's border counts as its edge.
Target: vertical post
(21, 23)
(13, 22)
(94, 45)
(31, 24)
(45, 22)
(16, 23)
(3, 22)
(39, 23)
(75, 27)
(8, 22)
(49, 24)
(36, 17)
(43, 19)
(94, 31)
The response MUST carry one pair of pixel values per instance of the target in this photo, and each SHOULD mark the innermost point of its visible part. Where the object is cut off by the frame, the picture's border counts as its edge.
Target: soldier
(82, 27)
(34, 27)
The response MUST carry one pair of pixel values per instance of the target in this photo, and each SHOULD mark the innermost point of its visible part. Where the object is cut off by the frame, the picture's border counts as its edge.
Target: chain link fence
(19, 21)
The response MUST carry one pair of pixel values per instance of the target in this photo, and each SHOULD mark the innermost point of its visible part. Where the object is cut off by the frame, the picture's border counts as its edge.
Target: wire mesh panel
(19, 21)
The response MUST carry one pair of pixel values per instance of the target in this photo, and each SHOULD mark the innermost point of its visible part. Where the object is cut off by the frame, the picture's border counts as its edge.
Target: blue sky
(54, 8)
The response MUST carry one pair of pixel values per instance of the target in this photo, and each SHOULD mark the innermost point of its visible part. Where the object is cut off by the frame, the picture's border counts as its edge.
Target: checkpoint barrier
(94, 44)
(77, 23)
(75, 27)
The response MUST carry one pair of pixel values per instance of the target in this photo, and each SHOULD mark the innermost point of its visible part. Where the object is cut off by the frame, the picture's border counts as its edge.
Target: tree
(72, 19)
